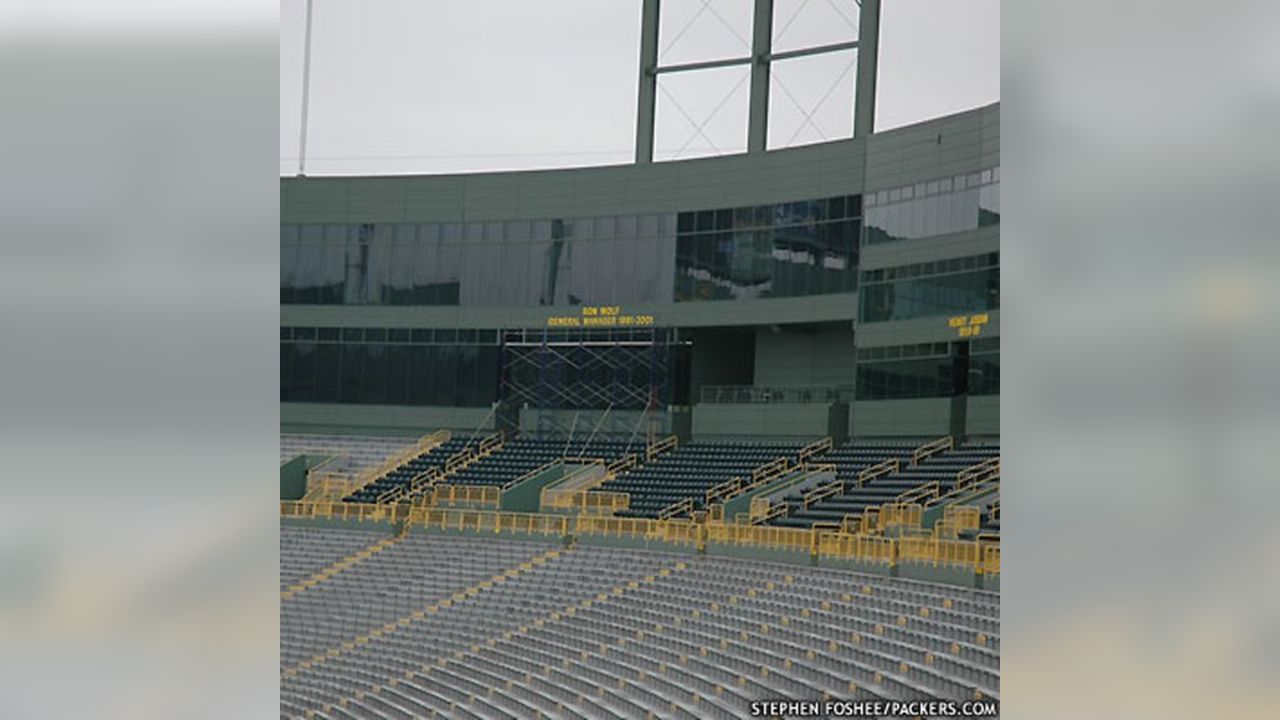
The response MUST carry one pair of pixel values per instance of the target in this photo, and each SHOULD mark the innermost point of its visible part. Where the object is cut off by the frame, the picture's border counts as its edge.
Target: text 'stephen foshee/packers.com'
(874, 708)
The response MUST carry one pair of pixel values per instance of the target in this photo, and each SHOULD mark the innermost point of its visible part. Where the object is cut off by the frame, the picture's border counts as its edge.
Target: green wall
(293, 478)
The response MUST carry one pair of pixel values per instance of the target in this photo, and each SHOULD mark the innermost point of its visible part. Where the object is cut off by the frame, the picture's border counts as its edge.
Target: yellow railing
(724, 490)
(851, 524)
(884, 467)
(342, 511)
(972, 481)
(821, 492)
(669, 442)
(681, 507)
(930, 449)
(446, 494)
(681, 532)
(321, 469)
(975, 474)
(767, 536)
(901, 514)
(591, 475)
(865, 548)
(920, 493)
(490, 521)
(990, 559)
(329, 486)
(962, 517)
(591, 502)
(939, 552)
(762, 511)
(426, 443)
(760, 475)
(814, 448)
(468, 455)
(532, 473)
(981, 555)
(622, 464)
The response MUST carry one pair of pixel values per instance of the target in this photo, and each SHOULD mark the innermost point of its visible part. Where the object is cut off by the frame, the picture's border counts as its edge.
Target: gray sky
(427, 86)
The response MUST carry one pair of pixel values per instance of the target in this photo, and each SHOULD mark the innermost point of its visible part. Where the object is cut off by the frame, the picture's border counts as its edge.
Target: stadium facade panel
(846, 288)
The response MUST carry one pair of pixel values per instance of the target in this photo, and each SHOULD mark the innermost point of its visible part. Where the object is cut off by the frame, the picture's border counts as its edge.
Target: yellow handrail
(919, 493)
(572, 483)
(590, 501)
(901, 514)
(884, 467)
(447, 494)
(767, 511)
(669, 442)
(821, 492)
(424, 444)
(932, 448)
(980, 472)
(813, 448)
(622, 464)
(962, 517)
(981, 556)
(760, 475)
(532, 473)
(681, 507)
(978, 479)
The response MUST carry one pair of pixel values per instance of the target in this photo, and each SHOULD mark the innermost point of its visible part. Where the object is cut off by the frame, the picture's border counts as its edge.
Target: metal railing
(591, 475)
(426, 443)
(762, 510)
(901, 514)
(532, 473)
(331, 510)
(489, 521)
(655, 449)
(866, 548)
(971, 482)
(962, 517)
(675, 509)
(446, 494)
(761, 536)
(623, 464)
(981, 472)
(760, 475)
(923, 492)
(680, 532)
(930, 449)
(822, 492)
(981, 556)
(814, 448)
(880, 469)
(593, 502)
(329, 486)
(743, 394)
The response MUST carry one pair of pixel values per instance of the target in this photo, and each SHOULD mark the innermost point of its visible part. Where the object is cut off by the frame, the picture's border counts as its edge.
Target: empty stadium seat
(610, 632)
(854, 457)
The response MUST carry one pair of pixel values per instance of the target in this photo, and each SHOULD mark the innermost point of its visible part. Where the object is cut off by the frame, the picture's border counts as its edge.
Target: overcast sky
(428, 86)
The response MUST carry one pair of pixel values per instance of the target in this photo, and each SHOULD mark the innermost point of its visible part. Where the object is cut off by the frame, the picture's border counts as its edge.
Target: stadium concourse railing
(831, 542)
(740, 394)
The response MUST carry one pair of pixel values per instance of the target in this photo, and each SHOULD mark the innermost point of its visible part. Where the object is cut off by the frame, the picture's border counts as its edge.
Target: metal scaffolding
(607, 378)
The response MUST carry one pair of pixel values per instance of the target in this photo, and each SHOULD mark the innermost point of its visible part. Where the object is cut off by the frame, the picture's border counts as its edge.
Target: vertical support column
(648, 91)
(761, 46)
(864, 110)
(306, 95)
